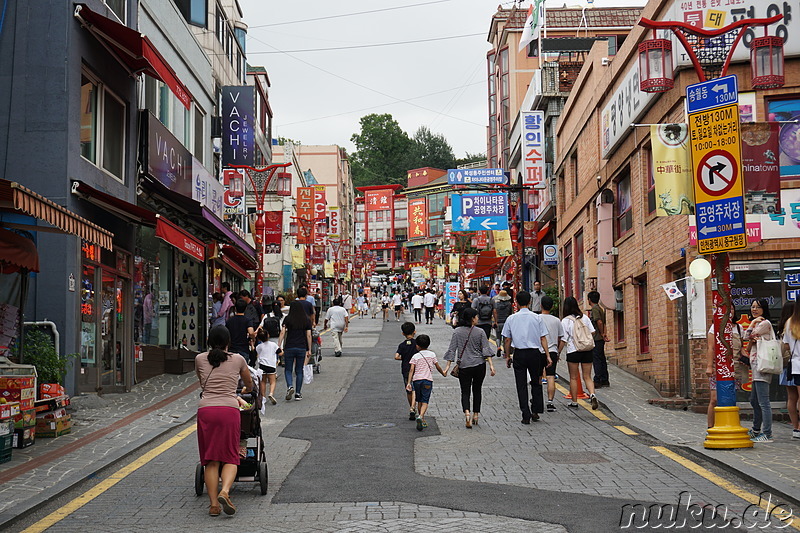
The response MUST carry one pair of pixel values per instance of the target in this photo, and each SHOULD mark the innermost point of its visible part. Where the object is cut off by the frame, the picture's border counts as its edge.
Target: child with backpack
(267, 361)
(578, 331)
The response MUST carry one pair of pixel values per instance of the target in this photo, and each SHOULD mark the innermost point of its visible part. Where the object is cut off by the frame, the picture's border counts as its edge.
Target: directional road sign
(469, 176)
(479, 212)
(718, 180)
(710, 94)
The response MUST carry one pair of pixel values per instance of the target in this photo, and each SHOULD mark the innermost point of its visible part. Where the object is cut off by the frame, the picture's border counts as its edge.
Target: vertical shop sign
(333, 222)
(417, 218)
(533, 148)
(672, 169)
(238, 125)
(273, 233)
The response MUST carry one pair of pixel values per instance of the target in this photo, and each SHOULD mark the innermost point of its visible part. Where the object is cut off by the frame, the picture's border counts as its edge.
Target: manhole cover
(369, 425)
(573, 458)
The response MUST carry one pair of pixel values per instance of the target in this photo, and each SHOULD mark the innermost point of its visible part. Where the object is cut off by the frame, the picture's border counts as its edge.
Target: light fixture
(284, 185)
(655, 65)
(766, 62)
(700, 268)
(234, 180)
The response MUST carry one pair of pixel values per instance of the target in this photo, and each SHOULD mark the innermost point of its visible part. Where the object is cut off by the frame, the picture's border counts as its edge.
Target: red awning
(112, 204)
(487, 265)
(18, 251)
(244, 261)
(180, 239)
(233, 265)
(133, 49)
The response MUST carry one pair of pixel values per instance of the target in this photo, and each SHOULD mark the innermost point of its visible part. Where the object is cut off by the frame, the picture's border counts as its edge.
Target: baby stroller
(316, 350)
(252, 467)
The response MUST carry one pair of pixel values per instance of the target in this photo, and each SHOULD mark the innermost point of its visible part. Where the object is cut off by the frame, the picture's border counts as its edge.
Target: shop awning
(228, 233)
(247, 262)
(488, 264)
(180, 239)
(119, 207)
(18, 251)
(133, 49)
(20, 199)
(228, 260)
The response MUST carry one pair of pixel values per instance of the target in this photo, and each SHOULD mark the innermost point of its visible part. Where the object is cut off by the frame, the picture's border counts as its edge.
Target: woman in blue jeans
(296, 341)
(760, 328)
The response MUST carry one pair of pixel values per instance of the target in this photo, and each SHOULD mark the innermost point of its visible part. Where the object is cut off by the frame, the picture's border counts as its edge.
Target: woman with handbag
(760, 328)
(458, 307)
(470, 351)
(787, 379)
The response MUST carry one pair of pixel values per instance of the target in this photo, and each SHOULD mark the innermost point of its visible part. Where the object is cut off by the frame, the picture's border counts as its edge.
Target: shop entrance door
(114, 344)
(682, 319)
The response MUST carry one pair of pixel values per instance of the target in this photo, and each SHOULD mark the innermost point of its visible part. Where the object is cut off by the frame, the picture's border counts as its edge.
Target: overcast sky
(318, 97)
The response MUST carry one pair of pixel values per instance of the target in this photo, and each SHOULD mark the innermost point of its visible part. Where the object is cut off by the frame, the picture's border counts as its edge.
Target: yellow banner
(502, 243)
(440, 271)
(453, 263)
(672, 169)
(329, 271)
(298, 257)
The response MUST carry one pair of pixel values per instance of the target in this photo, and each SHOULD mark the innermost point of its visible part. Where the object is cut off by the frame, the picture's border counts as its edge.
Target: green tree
(383, 151)
(284, 140)
(432, 150)
(470, 158)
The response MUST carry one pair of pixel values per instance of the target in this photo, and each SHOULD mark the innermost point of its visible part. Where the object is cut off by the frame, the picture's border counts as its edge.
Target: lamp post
(710, 52)
(260, 179)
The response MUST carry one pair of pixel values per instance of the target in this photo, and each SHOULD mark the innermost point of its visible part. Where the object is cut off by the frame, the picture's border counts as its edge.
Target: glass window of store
(105, 323)
(152, 279)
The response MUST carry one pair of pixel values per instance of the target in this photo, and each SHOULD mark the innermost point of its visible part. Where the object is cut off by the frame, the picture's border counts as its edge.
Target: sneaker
(272, 399)
(751, 434)
(337, 354)
(420, 424)
(289, 393)
(412, 415)
(298, 397)
(550, 407)
(593, 399)
(574, 405)
(424, 424)
(762, 437)
(796, 433)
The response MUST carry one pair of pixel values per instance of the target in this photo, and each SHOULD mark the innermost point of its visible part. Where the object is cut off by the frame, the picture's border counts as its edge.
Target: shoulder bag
(768, 355)
(454, 372)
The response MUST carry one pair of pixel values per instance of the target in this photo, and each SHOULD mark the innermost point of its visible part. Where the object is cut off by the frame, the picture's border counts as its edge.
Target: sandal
(214, 510)
(469, 421)
(475, 419)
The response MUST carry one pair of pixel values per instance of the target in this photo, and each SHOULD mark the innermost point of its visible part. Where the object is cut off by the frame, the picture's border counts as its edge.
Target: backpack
(485, 309)
(581, 336)
(503, 309)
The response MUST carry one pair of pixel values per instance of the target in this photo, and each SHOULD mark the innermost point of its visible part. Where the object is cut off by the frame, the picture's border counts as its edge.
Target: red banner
(273, 233)
(470, 261)
(180, 239)
(417, 218)
(379, 200)
(762, 171)
(317, 254)
(305, 203)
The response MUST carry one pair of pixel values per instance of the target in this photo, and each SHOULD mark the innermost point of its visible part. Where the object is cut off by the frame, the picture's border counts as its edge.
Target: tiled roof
(592, 17)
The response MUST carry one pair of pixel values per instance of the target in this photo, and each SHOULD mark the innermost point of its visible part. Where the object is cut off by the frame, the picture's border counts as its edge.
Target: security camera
(605, 61)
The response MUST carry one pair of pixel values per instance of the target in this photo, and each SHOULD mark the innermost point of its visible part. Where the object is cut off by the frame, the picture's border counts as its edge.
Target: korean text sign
(533, 148)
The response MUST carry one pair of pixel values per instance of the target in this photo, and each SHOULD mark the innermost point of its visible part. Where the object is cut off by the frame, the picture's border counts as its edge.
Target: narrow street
(346, 458)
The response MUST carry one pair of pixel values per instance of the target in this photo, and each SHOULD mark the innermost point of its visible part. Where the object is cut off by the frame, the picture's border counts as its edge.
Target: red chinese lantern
(766, 62)
(655, 66)
(284, 185)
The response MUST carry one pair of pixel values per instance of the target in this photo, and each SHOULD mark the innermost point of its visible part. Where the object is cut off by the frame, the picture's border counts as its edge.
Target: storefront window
(151, 279)
(88, 325)
(188, 285)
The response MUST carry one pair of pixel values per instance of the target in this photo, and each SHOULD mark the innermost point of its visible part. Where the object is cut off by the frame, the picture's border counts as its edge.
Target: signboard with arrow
(479, 212)
(717, 162)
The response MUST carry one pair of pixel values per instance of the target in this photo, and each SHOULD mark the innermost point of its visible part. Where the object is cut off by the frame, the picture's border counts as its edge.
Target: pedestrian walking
(597, 315)
(307, 302)
(555, 343)
(218, 420)
(470, 350)
(295, 339)
(578, 329)
(738, 353)
(347, 300)
(485, 308)
(241, 330)
(339, 320)
(440, 304)
(459, 306)
(525, 332)
(405, 351)
(787, 379)
(267, 351)
(416, 303)
(216, 320)
(502, 310)
(429, 300)
(759, 328)
(536, 297)
(420, 378)
(317, 305)
(361, 305)
(227, 302)
(385, 301)
(397, 302)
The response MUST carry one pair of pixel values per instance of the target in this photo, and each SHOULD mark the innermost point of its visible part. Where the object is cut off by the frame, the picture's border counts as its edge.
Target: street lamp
(259, 179)
(711, 52)
(655, 65)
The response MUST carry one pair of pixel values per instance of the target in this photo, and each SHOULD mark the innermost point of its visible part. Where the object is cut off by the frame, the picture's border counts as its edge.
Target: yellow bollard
(727, 432)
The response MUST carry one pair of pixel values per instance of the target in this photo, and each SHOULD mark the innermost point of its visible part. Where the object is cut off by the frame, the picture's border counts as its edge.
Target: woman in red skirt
(218, 420)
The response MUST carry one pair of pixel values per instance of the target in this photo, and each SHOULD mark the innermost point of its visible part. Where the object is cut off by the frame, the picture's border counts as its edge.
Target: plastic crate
(5, 442)
(5, 456)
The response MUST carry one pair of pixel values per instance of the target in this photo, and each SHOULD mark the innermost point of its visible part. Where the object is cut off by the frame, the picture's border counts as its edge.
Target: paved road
(570, 472)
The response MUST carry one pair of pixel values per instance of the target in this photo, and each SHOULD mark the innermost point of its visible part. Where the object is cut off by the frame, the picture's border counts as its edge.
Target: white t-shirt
(347, 301)
(568, 325)
(424, 362)
(397, 299)
(430, 299)
(385, 300)
(555, 331)
(267, 354)
(336, 317)
(417, 300)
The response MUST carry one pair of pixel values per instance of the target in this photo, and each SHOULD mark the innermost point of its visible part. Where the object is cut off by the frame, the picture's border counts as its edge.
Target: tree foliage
(432, 150)
(470, 158)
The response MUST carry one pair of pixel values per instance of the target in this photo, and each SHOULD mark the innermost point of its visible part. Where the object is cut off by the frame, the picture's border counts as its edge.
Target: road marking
(599, 414)
(718, 481)
(626, 430)
(72, 506)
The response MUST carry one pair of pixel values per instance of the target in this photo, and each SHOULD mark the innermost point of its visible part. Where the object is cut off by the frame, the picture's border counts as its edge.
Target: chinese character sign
(672, 169)
(417, 218)
(533, 139)
(379, 200)
(762, 176)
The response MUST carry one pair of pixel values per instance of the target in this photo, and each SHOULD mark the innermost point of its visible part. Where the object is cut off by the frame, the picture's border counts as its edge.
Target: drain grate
(573, 458)
(369, 425)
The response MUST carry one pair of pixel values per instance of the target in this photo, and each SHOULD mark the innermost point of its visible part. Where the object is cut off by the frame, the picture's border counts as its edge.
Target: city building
(380, 222)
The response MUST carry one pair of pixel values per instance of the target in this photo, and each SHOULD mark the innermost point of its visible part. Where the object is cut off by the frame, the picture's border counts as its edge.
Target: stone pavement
(568, 451)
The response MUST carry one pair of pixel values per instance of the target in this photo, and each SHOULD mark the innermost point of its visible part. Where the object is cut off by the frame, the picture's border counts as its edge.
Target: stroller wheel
(199, 472)
(262, 476)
